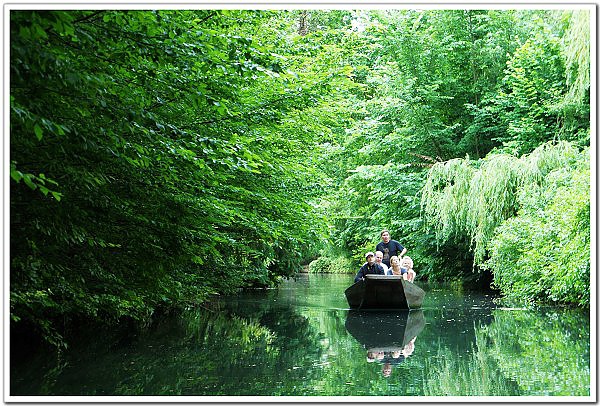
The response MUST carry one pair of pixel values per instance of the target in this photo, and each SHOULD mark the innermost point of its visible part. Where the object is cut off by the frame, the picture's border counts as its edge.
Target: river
(302, 340)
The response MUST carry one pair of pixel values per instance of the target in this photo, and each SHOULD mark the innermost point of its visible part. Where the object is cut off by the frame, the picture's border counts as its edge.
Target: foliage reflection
(301, 340)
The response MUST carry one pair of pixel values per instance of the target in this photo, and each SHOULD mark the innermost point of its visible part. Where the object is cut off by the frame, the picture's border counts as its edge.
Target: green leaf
(38, 132)
(39, 31)
(44, 190)
(28, 181)
(14, 173)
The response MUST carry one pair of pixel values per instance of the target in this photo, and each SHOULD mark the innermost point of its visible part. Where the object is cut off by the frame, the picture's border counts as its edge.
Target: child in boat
(407, 269)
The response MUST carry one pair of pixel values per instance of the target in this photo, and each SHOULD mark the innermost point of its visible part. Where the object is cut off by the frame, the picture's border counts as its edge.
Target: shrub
(331, 265)
(543, 254)
(320, 265)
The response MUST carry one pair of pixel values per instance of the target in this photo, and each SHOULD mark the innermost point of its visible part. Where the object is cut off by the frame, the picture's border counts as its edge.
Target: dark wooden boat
(384, 292)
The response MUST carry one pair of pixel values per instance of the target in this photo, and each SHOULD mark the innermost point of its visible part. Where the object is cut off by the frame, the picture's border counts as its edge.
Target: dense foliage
(159, 157)
(543, 253)
(531, 212)
(465, 91)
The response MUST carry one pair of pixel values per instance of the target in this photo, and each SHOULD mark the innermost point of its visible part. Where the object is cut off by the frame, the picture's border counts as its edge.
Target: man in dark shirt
(371, 267)
(389, 248)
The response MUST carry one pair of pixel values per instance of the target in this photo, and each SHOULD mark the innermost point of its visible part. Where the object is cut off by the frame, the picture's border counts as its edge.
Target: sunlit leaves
(548, 242)
(516, 208)
(154, 149)
(178, 142)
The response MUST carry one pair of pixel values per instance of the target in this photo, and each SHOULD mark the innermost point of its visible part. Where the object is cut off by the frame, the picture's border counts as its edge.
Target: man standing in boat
(370, 267)
(389, 248)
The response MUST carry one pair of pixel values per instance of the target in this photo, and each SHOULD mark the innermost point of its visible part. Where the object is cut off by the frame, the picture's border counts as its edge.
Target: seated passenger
(395, 268)
(407, 269)
(379, 259)
(370, 267)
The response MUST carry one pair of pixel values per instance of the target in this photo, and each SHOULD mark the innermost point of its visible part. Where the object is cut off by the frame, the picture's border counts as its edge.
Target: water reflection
(302, 340)
(388, 337)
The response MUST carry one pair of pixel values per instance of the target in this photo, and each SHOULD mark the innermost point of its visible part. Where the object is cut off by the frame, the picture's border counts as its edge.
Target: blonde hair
(392, 264)
(409, 260)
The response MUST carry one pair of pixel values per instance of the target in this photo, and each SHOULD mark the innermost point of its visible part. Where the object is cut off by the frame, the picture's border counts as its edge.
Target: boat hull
(384, 292)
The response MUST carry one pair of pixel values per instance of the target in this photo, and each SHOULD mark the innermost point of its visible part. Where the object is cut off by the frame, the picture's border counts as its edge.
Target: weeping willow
(466, 197)
(577, 56)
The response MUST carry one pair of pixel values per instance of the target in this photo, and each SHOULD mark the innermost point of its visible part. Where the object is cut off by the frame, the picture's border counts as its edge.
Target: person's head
(370, 356)
(407, 263)
(385, 236)
(378, 256)
(395, 261)
(370, 257)
(387, 369)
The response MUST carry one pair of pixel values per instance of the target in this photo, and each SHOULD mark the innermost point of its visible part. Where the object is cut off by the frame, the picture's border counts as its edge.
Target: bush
(331, 265)
(543, 254)
(341, 265)
(320, 265)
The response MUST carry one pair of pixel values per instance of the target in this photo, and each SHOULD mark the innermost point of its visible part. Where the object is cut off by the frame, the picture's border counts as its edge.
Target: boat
(384, 292)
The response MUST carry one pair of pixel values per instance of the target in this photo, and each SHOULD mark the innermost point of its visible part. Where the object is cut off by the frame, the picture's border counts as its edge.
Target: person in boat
(406, 264)
(379, 259)
(370, 267)
(395, 267)
(389, 248)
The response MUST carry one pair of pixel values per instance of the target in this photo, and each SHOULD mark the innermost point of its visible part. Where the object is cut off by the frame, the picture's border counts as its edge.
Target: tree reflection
(545, 352)
(522, 352)
(302, 342)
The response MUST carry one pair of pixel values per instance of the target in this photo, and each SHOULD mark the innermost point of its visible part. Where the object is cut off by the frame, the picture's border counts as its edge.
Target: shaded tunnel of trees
(159, 157)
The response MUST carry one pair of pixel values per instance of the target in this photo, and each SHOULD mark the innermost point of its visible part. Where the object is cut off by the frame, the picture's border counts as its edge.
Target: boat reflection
(388, 337)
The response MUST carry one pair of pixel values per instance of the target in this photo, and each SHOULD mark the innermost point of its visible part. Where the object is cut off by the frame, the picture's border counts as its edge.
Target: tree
(521, 224)
(155, 139)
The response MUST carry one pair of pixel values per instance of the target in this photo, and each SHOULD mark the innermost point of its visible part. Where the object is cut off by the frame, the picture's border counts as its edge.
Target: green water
(302, 340)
